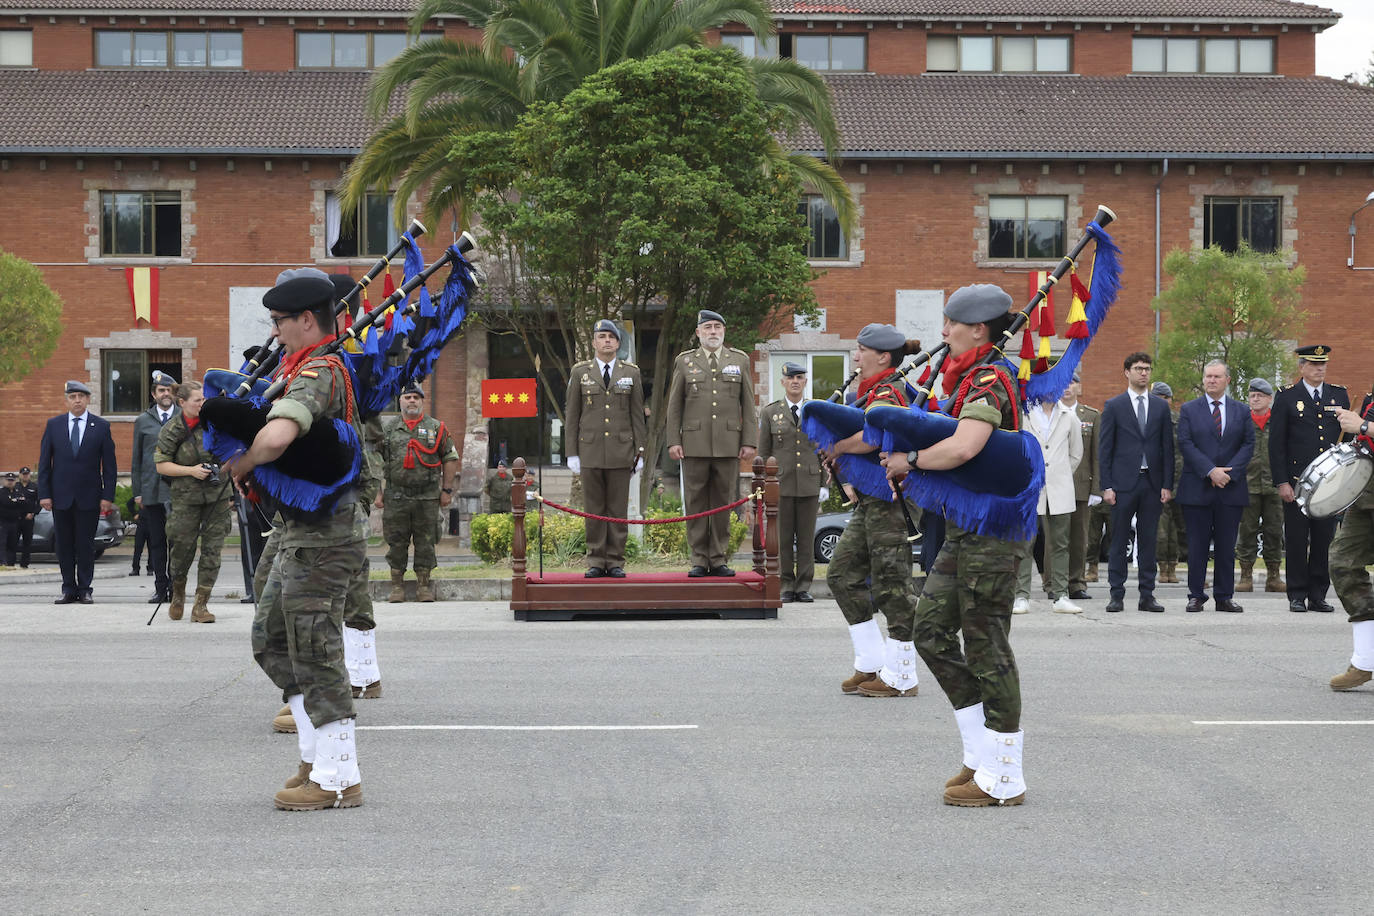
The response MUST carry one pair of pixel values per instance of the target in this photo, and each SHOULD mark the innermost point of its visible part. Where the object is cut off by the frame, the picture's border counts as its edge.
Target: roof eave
(179, 151)
(1143, 155)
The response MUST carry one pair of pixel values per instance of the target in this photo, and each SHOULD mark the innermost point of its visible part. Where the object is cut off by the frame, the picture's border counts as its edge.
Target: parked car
(109, 531)
(829, 527)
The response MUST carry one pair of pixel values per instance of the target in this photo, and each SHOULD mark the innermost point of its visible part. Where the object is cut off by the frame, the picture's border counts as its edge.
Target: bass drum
(1334, 480)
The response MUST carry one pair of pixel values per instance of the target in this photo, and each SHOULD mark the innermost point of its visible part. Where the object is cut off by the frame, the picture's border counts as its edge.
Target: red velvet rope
(645, 521)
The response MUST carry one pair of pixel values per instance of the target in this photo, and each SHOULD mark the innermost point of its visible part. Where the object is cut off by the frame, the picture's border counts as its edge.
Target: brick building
(205, 140)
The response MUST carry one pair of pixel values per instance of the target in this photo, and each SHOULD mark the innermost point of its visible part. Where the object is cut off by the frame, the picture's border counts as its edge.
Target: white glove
(639, 463)
(1094, 500)
(575, 464)
(825, 493)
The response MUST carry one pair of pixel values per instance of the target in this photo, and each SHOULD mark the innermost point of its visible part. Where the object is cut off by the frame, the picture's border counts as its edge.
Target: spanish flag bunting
(388, 287)
(509, 397)
(1027, 344)
(1078, 315)
(1042, 358)
(143, 293)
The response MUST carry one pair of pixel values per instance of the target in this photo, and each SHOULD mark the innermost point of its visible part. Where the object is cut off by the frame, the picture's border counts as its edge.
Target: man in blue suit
(1136, 459)
(76, 482)
(1217, 440)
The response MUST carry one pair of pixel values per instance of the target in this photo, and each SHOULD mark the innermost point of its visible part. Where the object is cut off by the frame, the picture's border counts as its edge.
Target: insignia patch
(987, 379)
(1300, 407)
(730, 370)
(624, 384)
(309, 373)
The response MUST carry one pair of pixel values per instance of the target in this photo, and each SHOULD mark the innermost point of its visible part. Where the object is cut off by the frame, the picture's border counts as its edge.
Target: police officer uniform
(711, 416)
(606, 433)
(799, 488)
(30, 489)
(14, 505)
(1301, 429)
(1264, 515)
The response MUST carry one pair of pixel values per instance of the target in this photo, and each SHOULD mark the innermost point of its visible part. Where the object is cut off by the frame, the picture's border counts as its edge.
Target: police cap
(977, 303)
(25, 471)
(1314, 353)
(10, 475)
(162, 378)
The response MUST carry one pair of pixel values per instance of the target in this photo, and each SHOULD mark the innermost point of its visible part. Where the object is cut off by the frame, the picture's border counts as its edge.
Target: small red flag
(509, 397)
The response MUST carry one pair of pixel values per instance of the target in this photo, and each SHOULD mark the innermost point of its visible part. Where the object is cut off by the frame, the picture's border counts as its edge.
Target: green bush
(670, 541)
(491, 536)
(123, 493)
(565, 538)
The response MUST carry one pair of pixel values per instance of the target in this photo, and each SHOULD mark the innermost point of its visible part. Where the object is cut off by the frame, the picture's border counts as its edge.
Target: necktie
(76, 434)
(1140, 412)
(714, 365)
(606, 375)
(1216, 416)
(1317, 394)
(796, 420)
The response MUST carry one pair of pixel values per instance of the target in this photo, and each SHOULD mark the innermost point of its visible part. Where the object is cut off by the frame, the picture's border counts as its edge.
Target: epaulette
(740, 352)
(585, 362)
(684, 353)
(626, 362)
(1341, 387)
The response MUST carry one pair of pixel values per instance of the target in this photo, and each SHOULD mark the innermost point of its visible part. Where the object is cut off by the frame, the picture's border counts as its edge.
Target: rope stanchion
(544, 501)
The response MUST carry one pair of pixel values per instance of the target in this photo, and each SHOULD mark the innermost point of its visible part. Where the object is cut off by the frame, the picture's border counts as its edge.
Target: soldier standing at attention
(14, 505)
(711, 420)
(1085, 487)
(497, 489)
(151, 492)
(1172, 533)
(799, 483)
(1351, 554)
(26, 522)
(1264, 514)
(420, 458)
(1302, 428)
(605, 435)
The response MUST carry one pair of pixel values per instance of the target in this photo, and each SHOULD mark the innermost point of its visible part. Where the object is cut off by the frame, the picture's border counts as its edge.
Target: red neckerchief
(1261, 420)
(191, 421)
(955, 366)
(867, 384)
(290, 365)
(411, 424)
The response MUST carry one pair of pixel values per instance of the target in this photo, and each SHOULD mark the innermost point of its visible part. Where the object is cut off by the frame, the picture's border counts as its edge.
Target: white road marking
(1287, 722)
(523, 728)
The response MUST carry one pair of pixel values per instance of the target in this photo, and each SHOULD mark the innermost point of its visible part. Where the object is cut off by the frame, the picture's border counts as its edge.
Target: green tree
(1244, 308)
(540, 50)
(639, 196)
(30, 318)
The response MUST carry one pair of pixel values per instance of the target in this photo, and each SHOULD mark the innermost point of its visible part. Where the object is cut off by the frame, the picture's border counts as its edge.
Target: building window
(1229, 221)
(1202, 55)
(1026, 228)
(825, 239)
(140, 224)
(349, 50)
(826, 52)
(369, 231)
(126, 378)
(997, 54)
(750, 46)
(194, 50)
(16, 49)
(825, 372)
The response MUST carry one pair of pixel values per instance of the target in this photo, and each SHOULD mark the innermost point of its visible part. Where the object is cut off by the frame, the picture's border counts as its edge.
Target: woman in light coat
(1057, 429)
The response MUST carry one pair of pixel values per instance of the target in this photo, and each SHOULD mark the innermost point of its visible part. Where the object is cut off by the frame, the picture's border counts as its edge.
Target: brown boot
(851, 683)
(1245, 582)
(423, 591)
(372, 691)
(877, 687)
(310, 796)
(302, 776)
(1352, 678)
(1273, 582)
(284, 721)
(1091, 574)
(398, 586)
(200, 611)
(969, 795)
(965, 774)
(177, 605)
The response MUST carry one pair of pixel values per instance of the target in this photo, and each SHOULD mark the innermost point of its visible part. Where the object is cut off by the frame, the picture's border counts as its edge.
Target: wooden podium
(750, 594)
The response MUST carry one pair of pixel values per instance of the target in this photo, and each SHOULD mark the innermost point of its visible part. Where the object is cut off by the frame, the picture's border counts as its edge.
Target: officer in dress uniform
(711, 425)
(799, 483)
(1301, 429)
(606, 433)
(26, 523)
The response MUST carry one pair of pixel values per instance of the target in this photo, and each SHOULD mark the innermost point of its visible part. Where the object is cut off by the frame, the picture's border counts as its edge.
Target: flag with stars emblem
(509, 397)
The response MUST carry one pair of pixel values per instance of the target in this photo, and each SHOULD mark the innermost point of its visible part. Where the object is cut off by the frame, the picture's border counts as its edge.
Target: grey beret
(1162, 390)
(606, 324)
(75, 387)
(881, 337)
(1262, 386)
(162, 378)
(977, 303)
(791, 369)
(299, 290)
(706, 315)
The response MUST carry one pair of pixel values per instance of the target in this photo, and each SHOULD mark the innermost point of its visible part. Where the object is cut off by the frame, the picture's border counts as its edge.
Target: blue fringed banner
(826, 423)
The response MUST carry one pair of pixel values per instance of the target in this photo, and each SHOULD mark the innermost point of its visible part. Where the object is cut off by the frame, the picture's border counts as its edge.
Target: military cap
(1314, 353)
(706, 315)
(501, 463)
(75, 387)
(413, 387)
(881, 337)
(162, 378)
(1162, 390)
(607, 325)
(977, 303)
(25, 471)
(303, 289)
(1262, 386)
(791, 369)
(10, 475)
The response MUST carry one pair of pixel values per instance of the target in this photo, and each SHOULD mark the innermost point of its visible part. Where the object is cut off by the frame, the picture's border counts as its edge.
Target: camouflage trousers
(358, 609)
(872, 566)
(298, 628)
(1264, 516)
(970, 591)
(1172, 534)
(1099, 529)
(1351, 551)
(206, 524)
(405, 520)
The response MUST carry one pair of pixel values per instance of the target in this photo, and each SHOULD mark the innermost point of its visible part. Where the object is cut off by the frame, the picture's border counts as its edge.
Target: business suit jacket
(1085, 476)
(82, 480)
(1301, 429)
(1062, 449)
(1121, 444)
(1203, 450)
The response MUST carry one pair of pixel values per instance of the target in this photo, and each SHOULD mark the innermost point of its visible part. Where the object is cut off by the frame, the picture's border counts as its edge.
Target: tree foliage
(1243, 308)
(30, 318)
(1364, 79)
(639, 196)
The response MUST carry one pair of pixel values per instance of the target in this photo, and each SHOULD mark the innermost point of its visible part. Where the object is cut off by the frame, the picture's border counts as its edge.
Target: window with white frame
(1026, 228)
(825, 372)
(825, 237)
(997, 54)
(367, 231)
(1202, 55)
(16, 48)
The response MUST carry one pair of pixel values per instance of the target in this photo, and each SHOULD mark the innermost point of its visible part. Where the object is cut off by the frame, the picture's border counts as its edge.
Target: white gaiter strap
(1363, 633)
(999, 773)
(305, 732)
(336, 757)
(868, 645)
(972, 732)
(352, 648)
(899, 670)
(368, 671)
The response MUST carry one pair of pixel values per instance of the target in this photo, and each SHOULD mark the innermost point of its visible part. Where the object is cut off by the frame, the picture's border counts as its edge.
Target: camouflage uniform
(200, 509)
(414, 466)
(1351, 552)
(1265, 512)
(497, 489)
(1171, 533)
(358, 606)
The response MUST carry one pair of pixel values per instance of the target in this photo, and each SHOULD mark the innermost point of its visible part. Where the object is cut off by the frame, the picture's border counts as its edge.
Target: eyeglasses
(1141, 368)
(276, 321)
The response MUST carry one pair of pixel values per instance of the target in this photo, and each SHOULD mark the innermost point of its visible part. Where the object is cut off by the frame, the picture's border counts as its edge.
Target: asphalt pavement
(680, 766)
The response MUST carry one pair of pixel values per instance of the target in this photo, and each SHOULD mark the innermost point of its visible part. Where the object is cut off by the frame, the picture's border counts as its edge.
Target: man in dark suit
(1301, 427)
(1217, 440)
(1136, 463)
(76, 482)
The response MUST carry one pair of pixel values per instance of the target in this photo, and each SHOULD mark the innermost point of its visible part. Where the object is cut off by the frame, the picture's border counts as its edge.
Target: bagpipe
(997, 492)
(383, 350)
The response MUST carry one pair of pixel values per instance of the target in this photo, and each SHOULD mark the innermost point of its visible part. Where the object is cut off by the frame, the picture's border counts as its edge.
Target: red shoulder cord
(415, 451)
(881, 390)
(970, 387)
(335, 366)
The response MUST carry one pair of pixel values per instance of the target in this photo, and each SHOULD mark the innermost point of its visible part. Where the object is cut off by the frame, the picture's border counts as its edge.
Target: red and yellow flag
(143, 293)
(509, 397)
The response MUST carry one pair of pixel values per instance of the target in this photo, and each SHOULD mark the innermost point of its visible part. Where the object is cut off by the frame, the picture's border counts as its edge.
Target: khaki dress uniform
(1084, 485)
(799, 490)
(711, 415)
(1264, 516)
(606, 432)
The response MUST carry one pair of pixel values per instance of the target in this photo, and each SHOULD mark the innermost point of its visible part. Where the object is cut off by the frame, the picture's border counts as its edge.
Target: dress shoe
(615, 572)
(86, 599)
(851, 684)
(805, 597)
(1080, 594)
(1352, 678)
(1195, 605)
(1148, 603)
(66, 599)
(596, 572)
(1297, 606)
(1318, 605)
(1227, 606)
(697, 572)
(135, 572)
(788, 597)
(722, 571)
(159, 597)
(1115, 605)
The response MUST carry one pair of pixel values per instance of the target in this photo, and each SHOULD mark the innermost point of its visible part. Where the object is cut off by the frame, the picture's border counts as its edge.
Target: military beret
(977, 303)
(10, 475)
(1077, 376)
(413, 387)
(25, 471)
(607, 325)
(706, 315)
(75, 387)
(162, 378)
(303, 289)
(881, 337)
(1314, 353)
(791, 369)
(1162, 390)
(1262, 386)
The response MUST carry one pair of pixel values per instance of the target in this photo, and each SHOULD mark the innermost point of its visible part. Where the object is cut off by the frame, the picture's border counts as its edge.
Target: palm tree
(540, 50)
